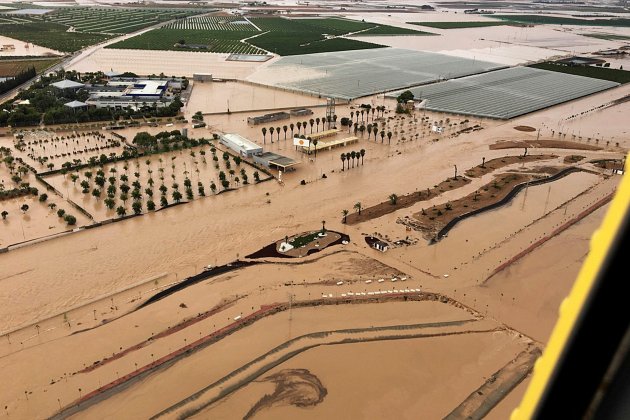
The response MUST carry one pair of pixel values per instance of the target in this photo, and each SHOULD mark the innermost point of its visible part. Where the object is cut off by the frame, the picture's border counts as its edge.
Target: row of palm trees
(299, 125)
(357, 206)
(366, 111)
(352, 155)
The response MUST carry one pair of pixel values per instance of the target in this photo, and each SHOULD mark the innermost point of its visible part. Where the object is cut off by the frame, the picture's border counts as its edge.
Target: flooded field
(438, 329)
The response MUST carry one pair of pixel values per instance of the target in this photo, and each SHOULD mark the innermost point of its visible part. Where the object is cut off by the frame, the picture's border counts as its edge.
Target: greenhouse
(507, 93)
(353, 74)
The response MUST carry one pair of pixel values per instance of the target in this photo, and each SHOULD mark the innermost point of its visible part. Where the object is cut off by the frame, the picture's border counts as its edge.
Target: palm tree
(357, 207)
(344, 213)
(264, 131)
(343, 161)
(362, 153)
(121, 211)
(311, 122)
(299, 126)
(351, 115)
(24, 208)
(285, 128)
(4, 214)
(353, 155)
(271, 130)
(373, 109)
(369, 131)
(278, 132)
(291, 126)
(375, 131)
(317, 120)
(362, 112)
(382, 135)
(389, 137)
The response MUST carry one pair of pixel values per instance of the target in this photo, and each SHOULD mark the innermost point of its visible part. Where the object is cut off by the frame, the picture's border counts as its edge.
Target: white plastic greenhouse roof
(507, 93)
(353, 74)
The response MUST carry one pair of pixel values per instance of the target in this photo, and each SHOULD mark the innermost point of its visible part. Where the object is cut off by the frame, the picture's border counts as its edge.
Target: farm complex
(296, 210)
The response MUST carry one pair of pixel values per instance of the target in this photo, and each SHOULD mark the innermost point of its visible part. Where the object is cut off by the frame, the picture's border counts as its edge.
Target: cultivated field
(28, 209)
(258, 35)
(48, 150)
(52, 35)
(13, 67)
(461, 24)
(557, 20)
(152, 182)
(193, 40)
(113, 21)
(71, 29)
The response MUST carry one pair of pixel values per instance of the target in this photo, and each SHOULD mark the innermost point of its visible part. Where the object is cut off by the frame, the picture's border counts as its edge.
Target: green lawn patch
(614, 75)
(459, 25)
(304, 239)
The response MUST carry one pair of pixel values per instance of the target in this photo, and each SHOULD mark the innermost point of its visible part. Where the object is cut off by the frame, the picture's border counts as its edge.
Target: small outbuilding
(276, 161)
(76, 105)
(67, 84)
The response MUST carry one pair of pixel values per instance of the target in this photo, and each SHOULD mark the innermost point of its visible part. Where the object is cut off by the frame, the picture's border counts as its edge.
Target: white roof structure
(508, 93)
(112, 73)
(354, 74)
(75, 104)
(147, 88)
(67, 84)
(241, 142)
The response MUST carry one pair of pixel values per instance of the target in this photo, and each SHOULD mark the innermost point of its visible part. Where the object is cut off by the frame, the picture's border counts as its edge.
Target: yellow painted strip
(570, 309)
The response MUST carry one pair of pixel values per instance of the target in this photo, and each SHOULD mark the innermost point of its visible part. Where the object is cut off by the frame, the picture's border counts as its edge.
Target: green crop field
(13, 67)
(114, 21)
(554, 20)
(51, 35)
(168, 39)
(73, 28)
(213, 23)
(277, 35)
(460, 25)
(604, 73)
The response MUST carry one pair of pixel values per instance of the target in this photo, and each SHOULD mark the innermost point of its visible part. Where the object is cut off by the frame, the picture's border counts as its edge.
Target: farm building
(300, 112)
(275, 161)
(275, 116)
(134, 93)
(240, 144)
(377, 243)
(581, 61)
(202, 77)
